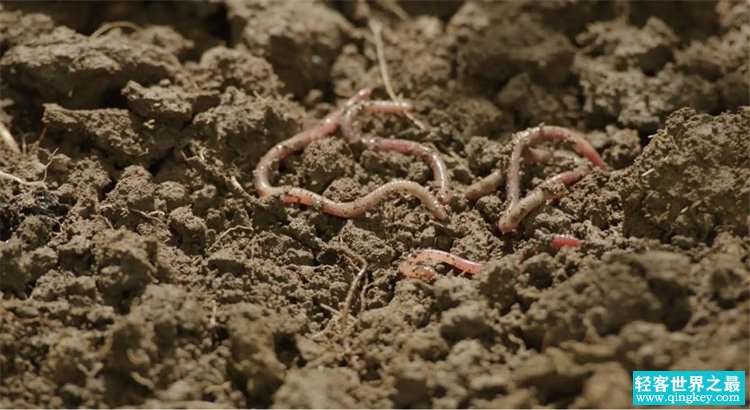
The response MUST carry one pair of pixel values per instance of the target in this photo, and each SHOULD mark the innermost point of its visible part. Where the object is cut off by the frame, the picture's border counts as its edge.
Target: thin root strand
(358, 278)
(377, 35)
(14, 178)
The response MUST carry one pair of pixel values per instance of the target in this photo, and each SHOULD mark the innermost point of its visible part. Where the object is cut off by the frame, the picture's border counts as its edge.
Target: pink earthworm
(522, 141)
(565, 240)
(327, 126)
(535, 135)
(491, 182)
(359, 206)
(408, 147)
(342, 209)
(413, 267)
(551, 188)
(485, 185)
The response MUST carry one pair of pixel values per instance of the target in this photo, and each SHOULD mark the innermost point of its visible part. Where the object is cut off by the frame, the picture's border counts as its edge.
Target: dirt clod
(139, 268)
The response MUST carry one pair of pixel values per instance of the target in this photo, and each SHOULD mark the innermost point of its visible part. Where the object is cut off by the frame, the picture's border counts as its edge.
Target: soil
(141, 275)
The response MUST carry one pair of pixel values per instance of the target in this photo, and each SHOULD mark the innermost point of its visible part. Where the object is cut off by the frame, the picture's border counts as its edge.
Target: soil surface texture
(142, 269)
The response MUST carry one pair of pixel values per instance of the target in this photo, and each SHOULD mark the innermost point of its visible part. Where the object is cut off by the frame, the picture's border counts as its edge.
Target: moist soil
(147, 272)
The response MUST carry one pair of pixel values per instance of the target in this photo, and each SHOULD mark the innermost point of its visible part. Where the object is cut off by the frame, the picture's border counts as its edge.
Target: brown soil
(138, 277)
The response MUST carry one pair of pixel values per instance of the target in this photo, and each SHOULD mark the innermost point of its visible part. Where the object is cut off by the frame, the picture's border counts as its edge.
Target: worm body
(361, 205)
(485, 185)
(420, 151)
(408, 147)
(380, 106)
(580, 144)
(536, 135)
(492, 182)
(551, 188)
(565, 241)
(413, 266)
(327, 126)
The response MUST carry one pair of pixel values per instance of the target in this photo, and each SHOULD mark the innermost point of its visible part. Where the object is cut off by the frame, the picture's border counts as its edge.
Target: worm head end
(506, 226)
(363, 94)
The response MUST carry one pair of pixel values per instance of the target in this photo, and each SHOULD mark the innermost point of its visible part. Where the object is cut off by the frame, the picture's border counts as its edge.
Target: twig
(394, 7)
(237, 186)
(151, 216)
(366, 288)
(344, 314)
(377, 33)
(40, 183)
(38, 142)
(199, 162)
(329, 308)
(14, 178)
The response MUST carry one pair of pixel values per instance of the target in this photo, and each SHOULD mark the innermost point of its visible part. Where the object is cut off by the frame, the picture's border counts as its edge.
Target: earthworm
(565, 240)
(328, 125)
(341, 209)
(523, 140)
(535, 135)
(361, 205)
(381, 106)
(485, 185)
(416, 149)
(408, 147)
(551, 188)
(412, 266)
(491, 182)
